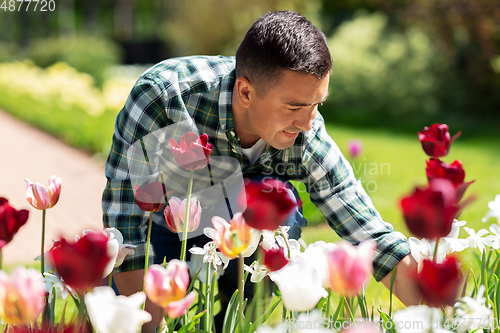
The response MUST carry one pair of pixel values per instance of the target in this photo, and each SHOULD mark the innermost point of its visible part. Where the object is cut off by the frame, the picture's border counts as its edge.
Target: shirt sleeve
(349, 211)
(143, 113)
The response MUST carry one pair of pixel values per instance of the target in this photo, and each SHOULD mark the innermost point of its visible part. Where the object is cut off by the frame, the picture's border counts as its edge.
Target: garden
(416, 118)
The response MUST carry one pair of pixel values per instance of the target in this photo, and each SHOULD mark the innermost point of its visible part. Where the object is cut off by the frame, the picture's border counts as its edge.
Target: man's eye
(294, 109)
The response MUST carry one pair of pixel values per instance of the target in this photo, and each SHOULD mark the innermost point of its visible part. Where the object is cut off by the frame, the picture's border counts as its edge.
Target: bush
(381, 76)
(64, 102)
(92, 55)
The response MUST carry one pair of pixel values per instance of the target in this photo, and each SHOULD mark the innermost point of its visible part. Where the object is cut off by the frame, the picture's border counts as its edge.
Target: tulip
(81, 264)
(176, 211)
(167, 287)
(354, 148)
(21, 296)
(109, 313)
(192, 152)
(439, 282)
(436, 140)
(268, 203)
(454, 172)
(429, 212)
(10, 221)
(116, 250)
(274, 259)
(349, 267)
(41, 198)
(151, 198)
(231, 239)
(300, 283)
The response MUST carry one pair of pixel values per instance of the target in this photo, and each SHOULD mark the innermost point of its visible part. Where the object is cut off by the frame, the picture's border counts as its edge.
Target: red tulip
(269, 203)
(429, 212)
(439, 282)
(10, 221)
(436, 140)
(192, 152)
(453, 172)
(81, 265)
(151, 198)
(275, 259)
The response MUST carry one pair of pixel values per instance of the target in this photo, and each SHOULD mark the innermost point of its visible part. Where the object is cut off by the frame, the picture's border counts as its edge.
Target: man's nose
(304, 120)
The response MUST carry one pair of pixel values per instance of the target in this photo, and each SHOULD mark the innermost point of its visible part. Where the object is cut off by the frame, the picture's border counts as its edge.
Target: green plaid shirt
(198, 90)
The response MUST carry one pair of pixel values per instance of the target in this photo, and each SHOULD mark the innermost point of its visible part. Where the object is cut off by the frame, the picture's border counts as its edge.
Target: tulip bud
(436, 140)
(268, 203)
(439, 283)
(192, 152)
(10, 221)
(151, 198)
(41, 198)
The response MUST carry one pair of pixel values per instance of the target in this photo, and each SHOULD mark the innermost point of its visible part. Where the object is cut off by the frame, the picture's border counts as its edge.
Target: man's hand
(405, 288)
(129, 283)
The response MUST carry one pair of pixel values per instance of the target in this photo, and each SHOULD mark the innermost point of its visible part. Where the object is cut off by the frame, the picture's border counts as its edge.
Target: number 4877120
(28, 5)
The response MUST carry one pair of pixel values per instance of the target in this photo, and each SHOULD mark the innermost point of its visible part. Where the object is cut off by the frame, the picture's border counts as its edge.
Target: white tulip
(301, 282)
(109, 313)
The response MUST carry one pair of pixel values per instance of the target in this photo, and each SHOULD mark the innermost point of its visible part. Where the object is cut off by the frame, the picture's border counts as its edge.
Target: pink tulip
(21, 296)
(41, 198)
(349, 267)
(175, 214)
(167, 287)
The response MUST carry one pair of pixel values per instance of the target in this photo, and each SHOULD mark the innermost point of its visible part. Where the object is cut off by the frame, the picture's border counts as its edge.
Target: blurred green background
(399, 65)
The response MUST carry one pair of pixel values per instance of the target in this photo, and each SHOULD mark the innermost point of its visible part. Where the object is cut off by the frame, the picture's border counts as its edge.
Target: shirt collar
(225, 101)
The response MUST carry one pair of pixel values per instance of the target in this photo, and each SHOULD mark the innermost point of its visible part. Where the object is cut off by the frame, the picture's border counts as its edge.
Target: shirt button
(232, 133)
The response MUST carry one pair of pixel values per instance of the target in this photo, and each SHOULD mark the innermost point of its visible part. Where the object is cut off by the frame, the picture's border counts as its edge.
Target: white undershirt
(253, 153)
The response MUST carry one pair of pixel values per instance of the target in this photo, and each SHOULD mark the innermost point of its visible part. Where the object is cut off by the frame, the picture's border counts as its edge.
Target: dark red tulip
(453, 172)
(151, 198)
(429, 212)
(268, 203)
(439, 282)
(81, 264)
(275, 259)
(10, 221)
(436, 140)
(192, 152)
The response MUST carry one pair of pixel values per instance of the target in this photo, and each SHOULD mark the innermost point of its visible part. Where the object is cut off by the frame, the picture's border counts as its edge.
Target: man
(263, 113)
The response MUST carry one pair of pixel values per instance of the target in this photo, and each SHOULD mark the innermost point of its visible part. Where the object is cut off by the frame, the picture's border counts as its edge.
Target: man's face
(287, 109)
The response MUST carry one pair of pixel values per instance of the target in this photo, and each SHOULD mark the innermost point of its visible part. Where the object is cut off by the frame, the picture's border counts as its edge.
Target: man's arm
(129, 283)
(405, 288)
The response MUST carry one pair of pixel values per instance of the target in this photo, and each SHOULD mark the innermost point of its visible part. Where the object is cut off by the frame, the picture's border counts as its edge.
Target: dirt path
(26, 152)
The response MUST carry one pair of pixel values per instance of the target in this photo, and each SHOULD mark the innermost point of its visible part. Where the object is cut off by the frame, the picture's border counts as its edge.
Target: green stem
(208, 314)
(1, 259)
(146, 262)
(42, 269)
(81, 313)
(110, 280)
(436, 249)
(328, 305)
(186, 216)
(258, 289)
(241, 285)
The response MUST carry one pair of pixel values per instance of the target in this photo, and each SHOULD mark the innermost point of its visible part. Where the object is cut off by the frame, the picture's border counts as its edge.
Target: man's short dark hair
(282, 40)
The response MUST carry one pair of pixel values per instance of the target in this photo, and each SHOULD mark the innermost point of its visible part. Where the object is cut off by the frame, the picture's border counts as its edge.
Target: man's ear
(245, 91)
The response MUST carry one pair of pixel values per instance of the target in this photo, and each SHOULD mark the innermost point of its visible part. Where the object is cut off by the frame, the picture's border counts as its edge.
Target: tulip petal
(176, 309)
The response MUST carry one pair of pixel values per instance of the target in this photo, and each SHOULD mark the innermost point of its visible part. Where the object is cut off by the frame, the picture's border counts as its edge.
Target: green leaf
(264, 317)
(388, 323)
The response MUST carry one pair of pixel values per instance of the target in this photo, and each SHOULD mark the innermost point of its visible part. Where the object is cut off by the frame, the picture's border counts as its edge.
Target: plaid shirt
(198, 90)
